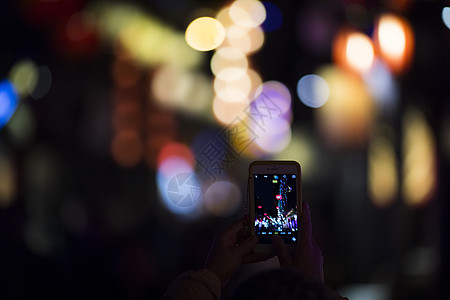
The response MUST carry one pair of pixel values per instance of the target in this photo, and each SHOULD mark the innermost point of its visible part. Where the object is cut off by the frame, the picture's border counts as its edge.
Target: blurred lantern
(394, 40)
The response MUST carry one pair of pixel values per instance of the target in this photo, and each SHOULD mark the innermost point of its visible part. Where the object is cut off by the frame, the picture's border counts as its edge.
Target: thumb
(282, 252)
(247, 246)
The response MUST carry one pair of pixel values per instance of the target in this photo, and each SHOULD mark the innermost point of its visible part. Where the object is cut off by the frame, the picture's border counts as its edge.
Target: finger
(246, 246)
(235, 227)
(305, 232)
(282, 251)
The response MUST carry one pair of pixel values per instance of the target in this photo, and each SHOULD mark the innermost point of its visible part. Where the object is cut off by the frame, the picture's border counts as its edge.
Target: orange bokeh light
(126, 148)
(394, 41)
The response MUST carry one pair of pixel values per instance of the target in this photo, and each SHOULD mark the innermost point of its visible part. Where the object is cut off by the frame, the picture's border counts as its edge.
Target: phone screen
(275, 206)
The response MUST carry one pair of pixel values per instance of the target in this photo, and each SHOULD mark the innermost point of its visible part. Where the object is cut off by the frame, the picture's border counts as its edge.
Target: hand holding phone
(307, 256)
(274, 202)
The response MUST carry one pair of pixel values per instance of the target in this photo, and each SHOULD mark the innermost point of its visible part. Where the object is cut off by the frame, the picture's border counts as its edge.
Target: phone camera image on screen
(275, 206)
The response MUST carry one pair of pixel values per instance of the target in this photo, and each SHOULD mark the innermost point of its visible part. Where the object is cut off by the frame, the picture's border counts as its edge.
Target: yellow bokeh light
(346, 118)
(391, 36)
(227, 112)
(382, 171)
(248, 13)
(246, 40)
(255, 80)
(353, 51)
(223, 16)
(419, 159)
(143, 37)
(236, 90)
(175, 88)
(359, 52)
(229, 63)
(205, 34)
(395, 40)
(24, 77)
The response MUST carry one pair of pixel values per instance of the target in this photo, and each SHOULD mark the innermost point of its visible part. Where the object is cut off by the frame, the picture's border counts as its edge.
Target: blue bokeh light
(274, 18)
(8, 102)
(446, 16)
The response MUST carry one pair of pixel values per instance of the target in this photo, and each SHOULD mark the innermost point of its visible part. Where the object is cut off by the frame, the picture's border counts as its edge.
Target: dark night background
(76, 222)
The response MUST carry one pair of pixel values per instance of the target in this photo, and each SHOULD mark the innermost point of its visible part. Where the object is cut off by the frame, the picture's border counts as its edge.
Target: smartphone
(274, 201)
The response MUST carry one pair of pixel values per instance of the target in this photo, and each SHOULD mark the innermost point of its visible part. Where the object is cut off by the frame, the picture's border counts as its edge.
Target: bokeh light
(222, 198)
(274, 17)
(205, 34)
(275, 137)
(8, 102)
(247, 40)
(24, 76)
(229, 63)
(223, 16)
(179, 188)
(127, 148)
(8, 181)
(225, 112)
(346, 118)
(273, 98)
(419, 159)
(247, 13)
(236, 90)
(353, 50)
(383, 87)
(382, 170)
(446, 16)
(22, 125)
(80, 26)
(177, 89)
(178, 150)
(395, 40)
(125, 74)
(313, 90)
(359, 52)
(145, 39)
(44, 83)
